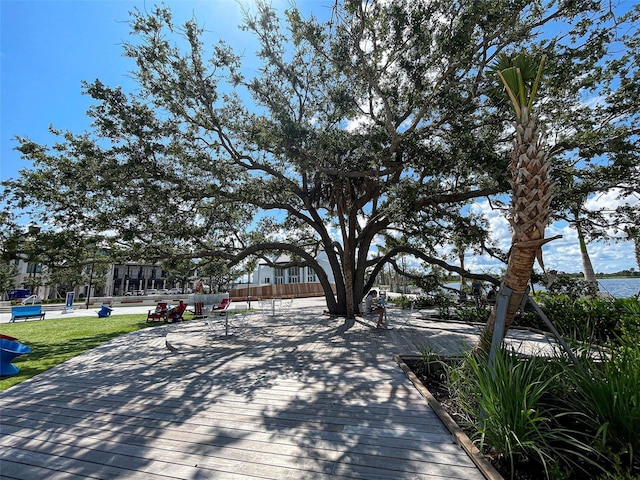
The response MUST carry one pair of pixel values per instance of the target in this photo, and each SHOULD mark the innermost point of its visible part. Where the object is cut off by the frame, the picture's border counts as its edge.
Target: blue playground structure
(105, 311)
(10, 349)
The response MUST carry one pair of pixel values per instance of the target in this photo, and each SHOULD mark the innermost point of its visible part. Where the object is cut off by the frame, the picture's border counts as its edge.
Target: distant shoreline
(613, 276)
(621, 277)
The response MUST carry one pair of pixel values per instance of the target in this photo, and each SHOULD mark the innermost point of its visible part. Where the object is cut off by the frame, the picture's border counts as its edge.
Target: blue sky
(48, 47)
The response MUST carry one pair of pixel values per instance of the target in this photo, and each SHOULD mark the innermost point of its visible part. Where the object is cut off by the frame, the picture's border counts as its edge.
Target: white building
(268, 281)
(134, 278)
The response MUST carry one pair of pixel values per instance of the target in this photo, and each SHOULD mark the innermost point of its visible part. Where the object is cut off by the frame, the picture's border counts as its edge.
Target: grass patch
(55, 341)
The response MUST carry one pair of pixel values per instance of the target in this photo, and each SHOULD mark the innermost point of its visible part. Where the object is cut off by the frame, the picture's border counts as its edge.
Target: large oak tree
(377, 125)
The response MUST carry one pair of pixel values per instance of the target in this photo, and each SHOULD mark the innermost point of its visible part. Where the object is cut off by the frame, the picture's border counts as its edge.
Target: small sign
(68, 304)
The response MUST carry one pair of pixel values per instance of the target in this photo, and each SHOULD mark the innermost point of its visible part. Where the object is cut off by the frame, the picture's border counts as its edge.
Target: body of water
(620, 287)
(616, 287)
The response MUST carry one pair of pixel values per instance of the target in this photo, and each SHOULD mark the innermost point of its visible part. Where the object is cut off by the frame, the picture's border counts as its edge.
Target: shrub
(572, 287)
(529, 318)
(550, 412)
(444, 303)
(473, 314)
(424, 301)
(630, 320)
(608, 393)
(513, 420)
(429, 360)
(589, 320)
(403, 301)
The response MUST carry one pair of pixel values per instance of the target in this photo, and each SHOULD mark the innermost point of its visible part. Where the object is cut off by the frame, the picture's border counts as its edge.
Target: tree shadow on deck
(301, 396)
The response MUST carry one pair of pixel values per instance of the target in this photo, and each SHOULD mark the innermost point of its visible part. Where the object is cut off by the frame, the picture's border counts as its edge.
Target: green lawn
(56, 340)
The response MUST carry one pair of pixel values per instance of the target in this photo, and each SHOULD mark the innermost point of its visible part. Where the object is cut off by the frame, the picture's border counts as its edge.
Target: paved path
(299, 395)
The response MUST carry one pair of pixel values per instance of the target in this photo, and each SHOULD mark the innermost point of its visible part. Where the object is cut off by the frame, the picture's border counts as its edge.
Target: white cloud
(610, 200)
(562, 254)
(358, 123)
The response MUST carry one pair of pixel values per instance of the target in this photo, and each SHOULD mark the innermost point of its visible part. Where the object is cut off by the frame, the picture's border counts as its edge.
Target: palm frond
(520, 75)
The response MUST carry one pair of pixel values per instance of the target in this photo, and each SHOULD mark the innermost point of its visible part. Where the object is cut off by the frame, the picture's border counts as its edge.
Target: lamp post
(90, 282)
(248, 290)
(96, 250)
(33, 229)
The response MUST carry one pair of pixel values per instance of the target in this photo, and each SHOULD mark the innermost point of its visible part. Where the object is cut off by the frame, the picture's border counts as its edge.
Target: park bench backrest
(27, 310)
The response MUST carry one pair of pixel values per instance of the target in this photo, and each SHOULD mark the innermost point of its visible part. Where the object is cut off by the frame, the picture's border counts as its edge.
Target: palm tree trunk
(587, 267)
(528, 216)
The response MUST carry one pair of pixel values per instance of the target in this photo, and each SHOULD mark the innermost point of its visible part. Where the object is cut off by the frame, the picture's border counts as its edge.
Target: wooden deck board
(99, 449)
(297, 396)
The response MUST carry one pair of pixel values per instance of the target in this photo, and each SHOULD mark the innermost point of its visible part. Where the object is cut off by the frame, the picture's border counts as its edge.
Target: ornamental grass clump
(608, 393)
(430, 361)
(513, 419)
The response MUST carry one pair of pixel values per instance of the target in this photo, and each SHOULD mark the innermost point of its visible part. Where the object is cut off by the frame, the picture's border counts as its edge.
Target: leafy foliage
(513, 419)
(549, 413)
(590, 320)
(7, 277)
(608, 394)
(473, 314)
(572, 287)
(378, 123)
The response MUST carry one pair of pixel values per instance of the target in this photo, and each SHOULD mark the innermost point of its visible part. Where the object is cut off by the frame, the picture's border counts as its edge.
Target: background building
(268, 281)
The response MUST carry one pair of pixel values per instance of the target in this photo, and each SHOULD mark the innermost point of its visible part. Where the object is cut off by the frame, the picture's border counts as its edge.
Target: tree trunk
(587, 267)
(519, 268)
(528, 216)
(348, 283)
(463, 281)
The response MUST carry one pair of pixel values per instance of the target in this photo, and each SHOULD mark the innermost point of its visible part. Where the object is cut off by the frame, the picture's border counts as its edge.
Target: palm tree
(575, 194)
(634, 234)
(587, 266)
(531, 184)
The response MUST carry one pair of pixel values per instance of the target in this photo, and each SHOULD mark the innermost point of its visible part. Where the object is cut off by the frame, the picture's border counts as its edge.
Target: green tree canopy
(378, 125)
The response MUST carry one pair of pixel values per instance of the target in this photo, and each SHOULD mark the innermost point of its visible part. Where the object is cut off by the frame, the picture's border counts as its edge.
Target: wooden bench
(26, 311)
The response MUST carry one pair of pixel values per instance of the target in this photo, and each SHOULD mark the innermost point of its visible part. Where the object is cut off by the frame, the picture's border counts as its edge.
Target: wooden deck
(297, 396)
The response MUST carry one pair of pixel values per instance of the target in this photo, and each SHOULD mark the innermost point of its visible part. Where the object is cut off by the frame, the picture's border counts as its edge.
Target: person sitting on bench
(370, 306)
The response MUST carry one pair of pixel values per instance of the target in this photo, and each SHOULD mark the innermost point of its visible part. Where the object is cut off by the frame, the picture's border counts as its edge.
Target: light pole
(90, 282)
(404, 273)
(33, 229)
(96, 250)
(248, 290)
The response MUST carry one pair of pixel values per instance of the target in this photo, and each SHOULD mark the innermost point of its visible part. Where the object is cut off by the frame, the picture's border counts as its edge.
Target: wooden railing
(288, 290)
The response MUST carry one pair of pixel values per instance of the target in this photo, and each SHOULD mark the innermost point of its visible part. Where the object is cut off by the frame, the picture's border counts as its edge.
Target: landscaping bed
(554, 441)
